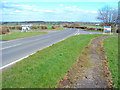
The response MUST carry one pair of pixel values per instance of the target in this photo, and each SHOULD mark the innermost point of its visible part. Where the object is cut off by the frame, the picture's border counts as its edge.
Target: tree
(118, 20)
(107, 15)
(119, 12)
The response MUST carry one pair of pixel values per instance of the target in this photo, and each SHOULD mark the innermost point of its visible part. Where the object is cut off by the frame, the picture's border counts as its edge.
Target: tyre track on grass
(91, 69)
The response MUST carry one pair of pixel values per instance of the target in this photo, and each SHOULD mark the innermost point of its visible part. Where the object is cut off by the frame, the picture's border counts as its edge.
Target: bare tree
(119, 12)
(107, 15)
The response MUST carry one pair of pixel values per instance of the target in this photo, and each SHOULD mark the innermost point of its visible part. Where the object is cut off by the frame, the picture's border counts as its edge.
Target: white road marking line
(33, 53)
(10, 46)
(15, 61)
(77, 32)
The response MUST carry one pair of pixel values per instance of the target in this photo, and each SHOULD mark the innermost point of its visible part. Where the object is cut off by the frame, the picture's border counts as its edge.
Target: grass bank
(46, 67)
(16, 35)
(111, 48)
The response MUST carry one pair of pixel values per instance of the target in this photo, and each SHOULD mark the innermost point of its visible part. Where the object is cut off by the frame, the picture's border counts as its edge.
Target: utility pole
(116, 26)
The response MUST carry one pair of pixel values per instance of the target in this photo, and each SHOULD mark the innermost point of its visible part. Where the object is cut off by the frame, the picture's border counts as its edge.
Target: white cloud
(67, 7)
(25, 7)
(34, 9)
(78, 11)
(61, 5)
(94, 12)
(63, 12)
(86, 11)
(48, 11)
(5, 1)
(73, 8)
(17, 6)
(41, 11)
(17, 11)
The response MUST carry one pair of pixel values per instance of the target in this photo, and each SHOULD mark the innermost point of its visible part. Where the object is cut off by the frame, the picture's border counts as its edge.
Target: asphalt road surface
(15, 50)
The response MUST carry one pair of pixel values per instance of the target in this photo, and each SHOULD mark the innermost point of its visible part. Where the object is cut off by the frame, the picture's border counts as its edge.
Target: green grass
(58, 29)
(16, 35)
(46, 67)
(111, 48)
(92, 30)
(49, 26)
(92, 26)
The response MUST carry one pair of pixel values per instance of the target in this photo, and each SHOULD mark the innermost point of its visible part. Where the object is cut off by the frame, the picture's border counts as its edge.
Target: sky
(53, 10)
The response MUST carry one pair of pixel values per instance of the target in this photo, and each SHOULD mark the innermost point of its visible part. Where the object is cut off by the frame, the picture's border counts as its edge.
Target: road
(15, 50)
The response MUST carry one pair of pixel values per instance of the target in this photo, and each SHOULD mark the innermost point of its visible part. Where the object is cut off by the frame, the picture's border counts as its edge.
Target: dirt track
(90, 70)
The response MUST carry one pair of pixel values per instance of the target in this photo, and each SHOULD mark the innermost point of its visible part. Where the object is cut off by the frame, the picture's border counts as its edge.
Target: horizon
(46, 21)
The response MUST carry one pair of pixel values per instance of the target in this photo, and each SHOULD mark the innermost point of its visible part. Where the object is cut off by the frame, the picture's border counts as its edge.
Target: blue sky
(53, 10)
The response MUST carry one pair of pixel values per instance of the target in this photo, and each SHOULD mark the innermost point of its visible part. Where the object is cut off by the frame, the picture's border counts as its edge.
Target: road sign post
(116, 28)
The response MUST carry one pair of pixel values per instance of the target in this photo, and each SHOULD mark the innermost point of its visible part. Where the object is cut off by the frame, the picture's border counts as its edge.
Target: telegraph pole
(116, 26)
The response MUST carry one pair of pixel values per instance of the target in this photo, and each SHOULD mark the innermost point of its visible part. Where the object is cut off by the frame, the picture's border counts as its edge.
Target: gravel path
(90, 70)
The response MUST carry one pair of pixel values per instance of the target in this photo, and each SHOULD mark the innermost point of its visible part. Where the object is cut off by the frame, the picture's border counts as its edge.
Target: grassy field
(91, 26)
(49, 29)
(111, 48)
(92, 30)
(46, 67)
(58, 29)
(16, 35)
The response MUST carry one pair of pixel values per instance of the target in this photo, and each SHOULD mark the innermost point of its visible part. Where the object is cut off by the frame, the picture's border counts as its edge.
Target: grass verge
(46, 67)
(111, 48)
(16, 35)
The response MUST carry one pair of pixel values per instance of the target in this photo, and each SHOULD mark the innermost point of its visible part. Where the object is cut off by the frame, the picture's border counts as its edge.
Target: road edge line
(5, 66)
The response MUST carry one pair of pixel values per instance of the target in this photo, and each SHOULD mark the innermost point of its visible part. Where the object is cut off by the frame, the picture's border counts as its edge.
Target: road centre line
(11, 46)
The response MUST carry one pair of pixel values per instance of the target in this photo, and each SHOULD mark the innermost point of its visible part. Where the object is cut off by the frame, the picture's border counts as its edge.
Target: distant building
(25, 28)
(97, 24)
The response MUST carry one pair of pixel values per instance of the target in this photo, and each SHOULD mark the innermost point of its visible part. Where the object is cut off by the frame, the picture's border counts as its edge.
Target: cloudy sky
(53, 10)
